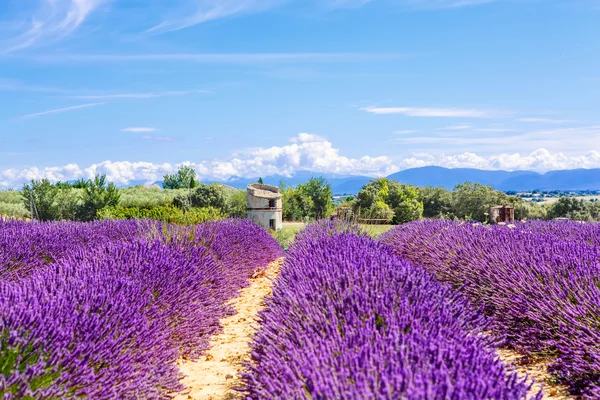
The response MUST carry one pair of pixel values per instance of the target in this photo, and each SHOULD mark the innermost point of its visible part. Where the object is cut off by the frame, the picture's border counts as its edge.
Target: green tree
(260, 180)
(437, 202)
(473, 200)
(39, 198)
(97, 195)
(368, 197)
(204, 195)
(185, 178)
(297, 204)
(235, 204)
(570, 207)
(319, 191)
(404, 201)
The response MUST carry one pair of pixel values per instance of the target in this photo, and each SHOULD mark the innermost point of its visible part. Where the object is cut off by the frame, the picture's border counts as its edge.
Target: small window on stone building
(271, 203)
(272, 224)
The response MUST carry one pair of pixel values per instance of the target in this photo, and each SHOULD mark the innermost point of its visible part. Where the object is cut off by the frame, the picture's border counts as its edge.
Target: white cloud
(306, 152)
(54, 20)
(60, 110)
(138, 129)
(431, 112)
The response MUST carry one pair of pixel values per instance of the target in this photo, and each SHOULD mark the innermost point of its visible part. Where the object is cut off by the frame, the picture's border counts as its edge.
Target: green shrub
(148, 197)
(167, 213)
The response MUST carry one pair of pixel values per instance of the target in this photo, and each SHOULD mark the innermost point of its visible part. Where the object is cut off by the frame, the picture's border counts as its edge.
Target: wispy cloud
(432, 112)
(405, 132)
(221, 58)
(60, 110)
(440, 4)
(138, 129)
(158, 138)
(208, 10)
(546, 120)
(494, 130)
(148, 95)
(455, 128)
(54, 20)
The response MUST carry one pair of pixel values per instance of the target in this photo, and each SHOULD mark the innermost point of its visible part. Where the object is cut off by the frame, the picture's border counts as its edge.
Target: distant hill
(576, 179)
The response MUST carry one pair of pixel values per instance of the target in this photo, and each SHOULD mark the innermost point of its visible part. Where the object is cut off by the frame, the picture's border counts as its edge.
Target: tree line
(381, 199)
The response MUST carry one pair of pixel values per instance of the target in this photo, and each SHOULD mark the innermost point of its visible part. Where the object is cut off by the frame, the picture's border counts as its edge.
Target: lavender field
(105, 310)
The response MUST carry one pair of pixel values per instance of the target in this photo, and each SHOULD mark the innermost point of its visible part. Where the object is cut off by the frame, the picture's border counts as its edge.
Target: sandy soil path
(213, 376)
(538, 372)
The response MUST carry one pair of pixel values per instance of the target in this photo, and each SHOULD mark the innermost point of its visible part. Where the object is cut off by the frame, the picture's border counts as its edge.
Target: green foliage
(386, 199)
(260, 180)
(185, 178)
(97, 195)
(236, 204)
(575, 209)
(168, 213)
(148, 197)
(473, 200)
(310, 201)
(380, 210)
(437, 202)
(284, 237)
(11, 204)
(40, 196)
(296, 205)
(404, 200)
(319, 191)
(527, 211)
(212, 195)
(567, 206)
(19, 357)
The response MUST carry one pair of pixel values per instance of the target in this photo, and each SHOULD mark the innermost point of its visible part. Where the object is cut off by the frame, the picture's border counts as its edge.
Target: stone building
(505, 214)
(265, 205)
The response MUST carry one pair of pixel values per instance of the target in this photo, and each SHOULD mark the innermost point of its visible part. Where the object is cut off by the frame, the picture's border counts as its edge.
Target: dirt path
(538, 370)
(213, 376)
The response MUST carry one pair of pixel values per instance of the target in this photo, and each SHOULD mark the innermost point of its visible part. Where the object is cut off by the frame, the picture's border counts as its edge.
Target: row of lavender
(350, 320)
(539, 282)
(104, 310)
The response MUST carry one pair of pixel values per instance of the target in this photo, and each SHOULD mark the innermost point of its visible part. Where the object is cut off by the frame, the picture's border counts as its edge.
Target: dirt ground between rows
(213, 376)
(538, 373)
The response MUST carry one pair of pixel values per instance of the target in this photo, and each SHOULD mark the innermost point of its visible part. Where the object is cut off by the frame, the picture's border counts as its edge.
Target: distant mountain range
(577, 179)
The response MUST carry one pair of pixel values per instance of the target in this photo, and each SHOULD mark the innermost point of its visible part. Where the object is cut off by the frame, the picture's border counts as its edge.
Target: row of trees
(81, 201)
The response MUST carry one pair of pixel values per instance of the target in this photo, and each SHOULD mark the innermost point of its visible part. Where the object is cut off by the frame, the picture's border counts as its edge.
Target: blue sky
(134, 88)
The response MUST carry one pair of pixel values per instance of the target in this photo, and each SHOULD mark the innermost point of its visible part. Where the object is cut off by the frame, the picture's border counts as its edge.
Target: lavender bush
(350, 320)
(103, 310)
(539, 281)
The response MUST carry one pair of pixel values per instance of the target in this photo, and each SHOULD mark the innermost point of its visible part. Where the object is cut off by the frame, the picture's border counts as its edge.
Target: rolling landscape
(579, 179)
(299, 200)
